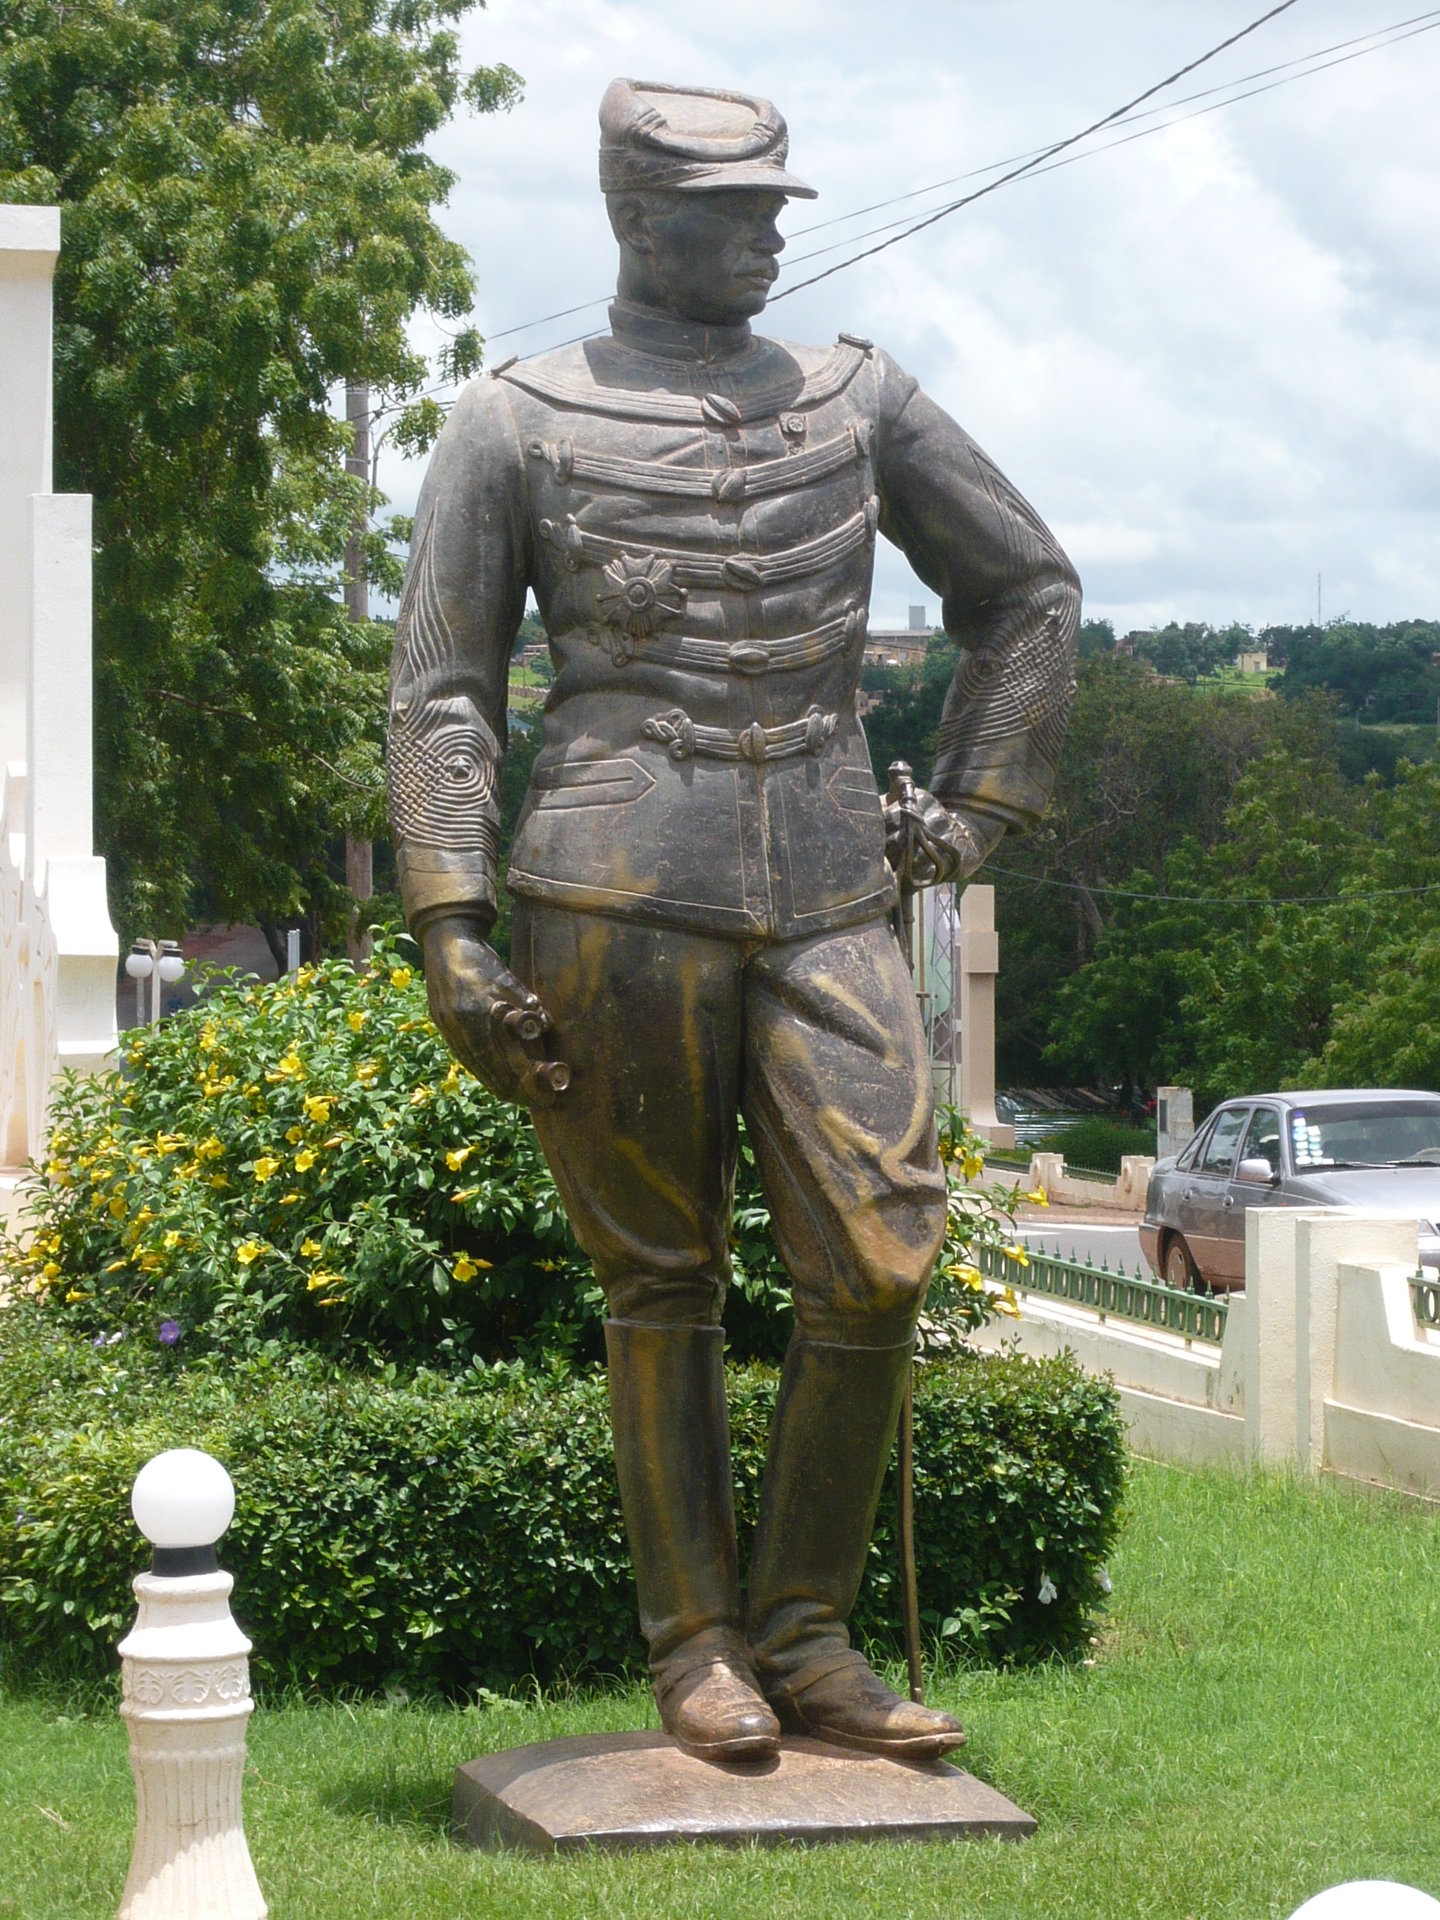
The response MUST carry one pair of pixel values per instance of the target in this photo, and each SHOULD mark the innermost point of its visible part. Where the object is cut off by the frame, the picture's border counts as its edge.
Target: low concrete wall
(1323, 1366)
(1183, 1400)
(1125, 1193)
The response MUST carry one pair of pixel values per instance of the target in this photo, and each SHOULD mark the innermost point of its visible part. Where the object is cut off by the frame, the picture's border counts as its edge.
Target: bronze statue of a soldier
(700, 870)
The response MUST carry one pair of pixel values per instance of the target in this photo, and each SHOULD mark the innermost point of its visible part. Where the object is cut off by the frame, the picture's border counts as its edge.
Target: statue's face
(707, 256)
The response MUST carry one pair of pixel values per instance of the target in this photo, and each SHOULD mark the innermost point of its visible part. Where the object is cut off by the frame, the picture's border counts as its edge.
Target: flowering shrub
(305, 1160)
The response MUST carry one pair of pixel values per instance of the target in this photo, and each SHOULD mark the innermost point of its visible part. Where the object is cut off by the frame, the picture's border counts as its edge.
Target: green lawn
(1262, 1719)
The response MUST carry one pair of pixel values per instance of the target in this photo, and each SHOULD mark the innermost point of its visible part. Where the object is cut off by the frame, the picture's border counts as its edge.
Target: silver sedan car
(1369, 1152)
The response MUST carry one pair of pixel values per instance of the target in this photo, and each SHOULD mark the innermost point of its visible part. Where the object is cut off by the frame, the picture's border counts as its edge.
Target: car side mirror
(1257, 1172)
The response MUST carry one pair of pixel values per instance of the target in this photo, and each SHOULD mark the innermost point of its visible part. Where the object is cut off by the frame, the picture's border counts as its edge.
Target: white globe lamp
(1370, 1900)
(182, 1499)
(185, 1679)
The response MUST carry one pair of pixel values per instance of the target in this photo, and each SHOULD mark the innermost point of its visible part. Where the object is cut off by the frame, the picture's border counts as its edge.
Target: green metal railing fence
(1118, 1296)
(1425, 1290)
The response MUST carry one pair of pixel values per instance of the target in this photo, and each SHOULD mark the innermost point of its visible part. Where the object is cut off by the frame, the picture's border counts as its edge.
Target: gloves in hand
(494, 1024)
(928, 843)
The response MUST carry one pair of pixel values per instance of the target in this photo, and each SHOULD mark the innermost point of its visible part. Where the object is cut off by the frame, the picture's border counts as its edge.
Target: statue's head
(694, 179)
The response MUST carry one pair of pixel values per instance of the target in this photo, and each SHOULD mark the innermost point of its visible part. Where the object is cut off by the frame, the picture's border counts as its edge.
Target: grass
(1261, 1720)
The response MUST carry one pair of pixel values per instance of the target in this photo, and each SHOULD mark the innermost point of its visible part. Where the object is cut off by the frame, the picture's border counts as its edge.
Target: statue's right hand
(494, 1024)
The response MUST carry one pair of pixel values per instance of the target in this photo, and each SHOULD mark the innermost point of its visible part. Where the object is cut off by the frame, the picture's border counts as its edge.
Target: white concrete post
(1271, 1255)
(186, 1698)
(1324, 1243)
(979, 963)
(29, 244)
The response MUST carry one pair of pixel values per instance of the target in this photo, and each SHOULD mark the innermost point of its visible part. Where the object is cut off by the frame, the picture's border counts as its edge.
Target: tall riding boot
(834, 1425)
(672, 1455)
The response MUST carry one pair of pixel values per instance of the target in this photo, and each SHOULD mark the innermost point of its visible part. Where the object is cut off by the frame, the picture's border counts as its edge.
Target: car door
(1202, 1211)
(1261, 1142)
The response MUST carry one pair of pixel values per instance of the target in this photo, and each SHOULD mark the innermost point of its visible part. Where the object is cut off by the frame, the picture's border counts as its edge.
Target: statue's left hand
(928, 843)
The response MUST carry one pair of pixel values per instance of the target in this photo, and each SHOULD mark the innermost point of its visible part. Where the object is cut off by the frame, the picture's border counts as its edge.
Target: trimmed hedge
(446, 1533)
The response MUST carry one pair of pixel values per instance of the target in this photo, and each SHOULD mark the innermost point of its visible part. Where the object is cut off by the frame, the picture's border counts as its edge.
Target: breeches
(669, 1035)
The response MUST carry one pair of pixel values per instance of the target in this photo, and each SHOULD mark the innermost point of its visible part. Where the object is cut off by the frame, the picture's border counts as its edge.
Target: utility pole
(359, 854)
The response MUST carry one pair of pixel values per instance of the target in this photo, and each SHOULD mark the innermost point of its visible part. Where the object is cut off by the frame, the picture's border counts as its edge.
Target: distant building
(1256, 661)
(899, 646)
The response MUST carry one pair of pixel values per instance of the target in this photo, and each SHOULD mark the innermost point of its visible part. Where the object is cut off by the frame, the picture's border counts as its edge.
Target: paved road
(1089, 1241)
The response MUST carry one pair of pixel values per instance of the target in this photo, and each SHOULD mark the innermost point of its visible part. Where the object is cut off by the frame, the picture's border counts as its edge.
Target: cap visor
(750, 174)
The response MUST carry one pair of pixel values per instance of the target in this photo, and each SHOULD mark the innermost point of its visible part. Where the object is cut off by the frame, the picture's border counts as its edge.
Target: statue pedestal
(640, 1790)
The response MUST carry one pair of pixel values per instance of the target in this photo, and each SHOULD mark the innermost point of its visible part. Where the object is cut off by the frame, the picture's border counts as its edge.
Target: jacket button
(793, 425)
(746, 657)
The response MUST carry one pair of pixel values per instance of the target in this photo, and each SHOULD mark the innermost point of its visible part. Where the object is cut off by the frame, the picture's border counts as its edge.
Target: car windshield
(1366, 1134)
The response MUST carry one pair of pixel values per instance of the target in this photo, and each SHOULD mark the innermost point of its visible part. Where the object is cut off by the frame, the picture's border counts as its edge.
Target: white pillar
(29, 244)
(979, 963)
(59, 843)
(1271, 1258)
(1325, 1242)
(186, 1697)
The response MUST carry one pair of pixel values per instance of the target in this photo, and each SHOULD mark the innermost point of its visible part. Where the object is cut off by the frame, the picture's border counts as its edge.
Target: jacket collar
(648, 330)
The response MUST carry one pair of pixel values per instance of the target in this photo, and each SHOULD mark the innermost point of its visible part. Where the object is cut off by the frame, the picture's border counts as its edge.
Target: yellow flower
(323, 1277)
(118, 1207)
(209, 1038)
(335, 1140)
(451, 1082)
(972, 1166)
(304, 1160)
(317, 1109)
(172, 1240)
(367, 1072)
(1018, 1255)
(466, 1193)
(210, 1149)
(218, 1180)
(1005, 1302)
(291, 1064)
(311, 1249)
(464, 1268)
(114, 1266)
(334, 1300)
(76, 1293)
(967, 1275)
(289, 1199)
(457, 1156)
(401, 977)
(265, 1166)
(356, 1020)
(168, 1143)
(418, 1096)
(51, 1269)
(249, 1251)
(1039, 1198)
(294, 1135)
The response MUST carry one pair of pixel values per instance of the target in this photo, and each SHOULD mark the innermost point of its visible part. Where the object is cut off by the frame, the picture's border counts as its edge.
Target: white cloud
(1209, 357)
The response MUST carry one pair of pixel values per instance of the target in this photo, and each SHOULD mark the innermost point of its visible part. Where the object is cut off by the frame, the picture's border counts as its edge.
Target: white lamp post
(155, 961)
(186, 1698)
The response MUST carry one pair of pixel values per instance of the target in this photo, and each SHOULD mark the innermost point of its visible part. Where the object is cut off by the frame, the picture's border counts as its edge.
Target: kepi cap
(655, 137)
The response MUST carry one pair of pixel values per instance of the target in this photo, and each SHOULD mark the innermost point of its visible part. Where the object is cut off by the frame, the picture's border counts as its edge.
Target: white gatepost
(979, 964)
(58, 950)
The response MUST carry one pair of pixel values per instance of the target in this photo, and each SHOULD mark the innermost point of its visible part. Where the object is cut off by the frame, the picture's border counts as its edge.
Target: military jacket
(695, 510)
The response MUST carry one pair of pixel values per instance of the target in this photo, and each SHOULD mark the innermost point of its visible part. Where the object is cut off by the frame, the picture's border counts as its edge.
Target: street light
(155, 961)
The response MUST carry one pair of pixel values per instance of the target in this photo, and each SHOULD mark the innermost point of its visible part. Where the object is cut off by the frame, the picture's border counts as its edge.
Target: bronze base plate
(641, 1790)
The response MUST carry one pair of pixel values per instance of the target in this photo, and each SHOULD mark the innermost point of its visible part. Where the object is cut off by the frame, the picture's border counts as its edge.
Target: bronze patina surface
(703, 869)
(640, 1790)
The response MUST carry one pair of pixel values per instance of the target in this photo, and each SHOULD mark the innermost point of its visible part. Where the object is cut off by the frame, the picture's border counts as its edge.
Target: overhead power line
(1186, 99)
(1215, 899)
(1042, 160)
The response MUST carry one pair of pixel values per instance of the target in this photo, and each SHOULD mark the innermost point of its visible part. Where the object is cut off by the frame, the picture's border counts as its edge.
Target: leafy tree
(1388, 674)
(1191, 651)
(247, 222)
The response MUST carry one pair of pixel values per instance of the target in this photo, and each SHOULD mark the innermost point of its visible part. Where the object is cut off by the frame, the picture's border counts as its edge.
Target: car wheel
(1179, 1267)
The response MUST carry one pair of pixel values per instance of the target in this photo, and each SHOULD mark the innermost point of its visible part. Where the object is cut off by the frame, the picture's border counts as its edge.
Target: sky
(1210, 357)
